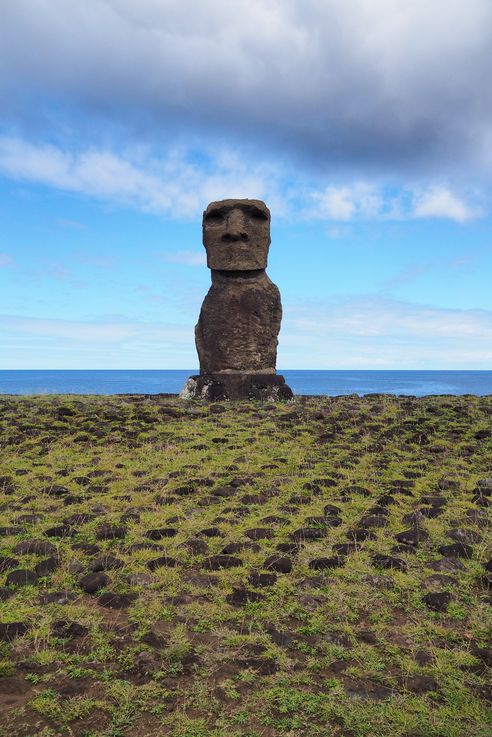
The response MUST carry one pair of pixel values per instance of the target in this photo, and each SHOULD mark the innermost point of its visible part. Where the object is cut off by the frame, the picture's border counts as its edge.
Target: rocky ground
(321, 567)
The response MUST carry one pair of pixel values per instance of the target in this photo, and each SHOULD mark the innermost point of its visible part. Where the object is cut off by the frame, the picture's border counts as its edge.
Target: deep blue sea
(332, 383)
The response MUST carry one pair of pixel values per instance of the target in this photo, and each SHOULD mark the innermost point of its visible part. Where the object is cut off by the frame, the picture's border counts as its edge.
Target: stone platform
(220, 386)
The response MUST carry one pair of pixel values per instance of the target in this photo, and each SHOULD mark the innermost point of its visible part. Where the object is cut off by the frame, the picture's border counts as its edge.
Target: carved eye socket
(214, 217)
(257, 214)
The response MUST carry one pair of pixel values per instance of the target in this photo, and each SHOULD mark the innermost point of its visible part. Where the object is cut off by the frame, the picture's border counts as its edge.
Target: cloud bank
(177, 186)
(390, 86)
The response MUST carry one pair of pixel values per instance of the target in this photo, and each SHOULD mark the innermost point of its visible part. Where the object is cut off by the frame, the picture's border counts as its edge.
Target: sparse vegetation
(245, 569)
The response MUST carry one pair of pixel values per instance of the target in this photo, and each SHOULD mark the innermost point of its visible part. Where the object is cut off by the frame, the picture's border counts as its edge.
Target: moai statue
(237, 332)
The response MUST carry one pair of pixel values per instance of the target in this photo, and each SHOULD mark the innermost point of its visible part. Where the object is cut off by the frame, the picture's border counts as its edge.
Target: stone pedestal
(241, 385)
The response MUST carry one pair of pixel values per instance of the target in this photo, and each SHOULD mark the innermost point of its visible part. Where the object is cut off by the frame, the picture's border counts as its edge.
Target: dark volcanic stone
(289, 548)
(59, 531)
(413, 518)
(7, 563)
(216, 562)
(431, 512)
(437, 601)
(262, 579)
(374, 520)
(10, 630)
(211, 532)
(161, 532)
(487, 580)
(277, 563)
(196, 547)
(114, 600)
(481, 500)
(56, 597)
(402, 548)
(34, 547)
(330, 510)
(387, 561)
(88, 548)
(321, 564)
(345, 548)
(434, 501)
(55, 490)
(259, 533)
(239, 597)
(47, 566)
(456, 550)
(464, 535)
(66, 629)
(361, 534)
(164, 561)
(92, 582)
(447, 565)
(105, 563)
(386, 499)
(10, 531)
(110, 532)
(308, 533)
(202, 580)
(439, 579)
(414, 536)
(21, 577)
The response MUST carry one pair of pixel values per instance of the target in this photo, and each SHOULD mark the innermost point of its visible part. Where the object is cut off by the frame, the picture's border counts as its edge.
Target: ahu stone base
(216, 387)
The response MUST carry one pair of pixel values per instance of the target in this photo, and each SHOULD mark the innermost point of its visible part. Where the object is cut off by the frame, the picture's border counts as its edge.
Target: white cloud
(172, 185)
(367, 201)
(177, 186)
(439, 202)
(360, 200)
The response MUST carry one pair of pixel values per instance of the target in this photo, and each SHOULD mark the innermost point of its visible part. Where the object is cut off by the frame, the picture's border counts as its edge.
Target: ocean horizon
(307, 382)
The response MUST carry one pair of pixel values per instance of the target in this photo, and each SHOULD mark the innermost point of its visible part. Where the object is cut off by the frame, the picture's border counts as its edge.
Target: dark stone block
(456, 550)
(47, 566)
(280, 564)
(387, 561)
(216, 562)
(34, 547)
(237, 386)
(21, 577)
(10, 630)
(437, 601)
(116, 601)
(321, 564)
(92, 582)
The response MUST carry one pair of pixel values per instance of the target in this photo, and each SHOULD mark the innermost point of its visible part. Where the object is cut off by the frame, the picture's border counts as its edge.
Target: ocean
(331, 383)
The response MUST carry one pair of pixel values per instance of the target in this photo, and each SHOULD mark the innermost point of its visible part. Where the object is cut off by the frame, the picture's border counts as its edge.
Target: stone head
(236, 235)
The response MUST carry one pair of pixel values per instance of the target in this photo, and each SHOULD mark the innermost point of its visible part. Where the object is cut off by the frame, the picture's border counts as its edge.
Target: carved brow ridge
(248, 209)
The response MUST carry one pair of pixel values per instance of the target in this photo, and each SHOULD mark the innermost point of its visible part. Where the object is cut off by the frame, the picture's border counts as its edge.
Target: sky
(365, 126)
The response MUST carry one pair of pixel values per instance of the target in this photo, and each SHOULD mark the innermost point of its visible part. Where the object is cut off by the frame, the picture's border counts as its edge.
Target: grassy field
(321, 567)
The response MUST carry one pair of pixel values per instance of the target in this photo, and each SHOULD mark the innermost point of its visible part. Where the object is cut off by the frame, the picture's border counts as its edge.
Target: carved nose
(235, 230)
